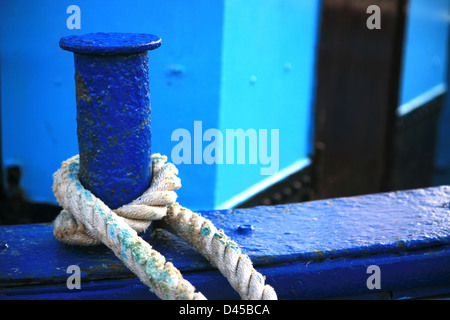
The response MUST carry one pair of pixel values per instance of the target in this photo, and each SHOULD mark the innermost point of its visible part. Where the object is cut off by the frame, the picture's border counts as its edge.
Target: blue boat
(309, 137)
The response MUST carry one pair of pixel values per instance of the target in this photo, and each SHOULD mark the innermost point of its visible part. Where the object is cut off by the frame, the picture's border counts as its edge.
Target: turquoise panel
(267, 83)
(425, 51)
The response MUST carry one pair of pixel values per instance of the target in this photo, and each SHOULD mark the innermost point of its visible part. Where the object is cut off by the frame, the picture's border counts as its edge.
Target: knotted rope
(86, 220)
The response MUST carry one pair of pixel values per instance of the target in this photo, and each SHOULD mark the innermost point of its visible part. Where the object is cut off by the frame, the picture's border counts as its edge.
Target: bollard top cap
(110, 43)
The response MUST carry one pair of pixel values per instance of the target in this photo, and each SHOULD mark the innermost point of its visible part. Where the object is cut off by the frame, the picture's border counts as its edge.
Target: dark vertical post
(113, 113)
(358, 78)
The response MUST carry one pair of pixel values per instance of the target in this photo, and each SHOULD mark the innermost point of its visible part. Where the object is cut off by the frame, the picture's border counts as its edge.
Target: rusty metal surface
(113, 113)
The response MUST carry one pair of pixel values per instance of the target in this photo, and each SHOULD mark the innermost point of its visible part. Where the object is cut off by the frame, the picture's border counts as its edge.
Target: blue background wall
(201, 72)
(425, 70)
(425, 51)
(267, 83)
(38, 88)
(230, 64)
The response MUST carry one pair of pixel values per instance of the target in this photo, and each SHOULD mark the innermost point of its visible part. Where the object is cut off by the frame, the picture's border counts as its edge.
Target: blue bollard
(113, 113)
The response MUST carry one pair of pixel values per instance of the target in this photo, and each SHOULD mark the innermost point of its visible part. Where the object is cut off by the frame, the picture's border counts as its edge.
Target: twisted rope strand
(86, 220)
(95, 219)
(220, 251)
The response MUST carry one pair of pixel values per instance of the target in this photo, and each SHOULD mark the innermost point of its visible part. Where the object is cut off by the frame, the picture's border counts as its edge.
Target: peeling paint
(113, 113)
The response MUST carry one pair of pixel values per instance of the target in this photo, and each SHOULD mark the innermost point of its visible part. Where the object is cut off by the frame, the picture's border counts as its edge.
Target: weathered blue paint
(245, 228)
(102, 43)
(113, 113)
(313, 250)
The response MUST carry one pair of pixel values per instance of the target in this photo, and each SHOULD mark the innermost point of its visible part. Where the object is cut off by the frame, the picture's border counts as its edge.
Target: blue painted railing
(314, 250)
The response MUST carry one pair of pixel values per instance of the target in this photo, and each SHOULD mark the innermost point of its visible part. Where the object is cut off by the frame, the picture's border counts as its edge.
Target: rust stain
(82, 91)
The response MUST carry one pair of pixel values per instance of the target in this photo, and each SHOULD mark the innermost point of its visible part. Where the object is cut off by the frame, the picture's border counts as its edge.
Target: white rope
(86, 220)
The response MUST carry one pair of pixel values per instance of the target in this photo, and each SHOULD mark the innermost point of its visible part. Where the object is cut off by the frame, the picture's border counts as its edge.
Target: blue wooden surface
(313, 250)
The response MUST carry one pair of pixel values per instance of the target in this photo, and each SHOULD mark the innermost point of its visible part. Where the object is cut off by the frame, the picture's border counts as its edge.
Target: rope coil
(86, 220)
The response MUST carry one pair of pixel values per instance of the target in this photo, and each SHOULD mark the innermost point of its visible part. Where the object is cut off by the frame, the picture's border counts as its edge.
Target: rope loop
(85, 221)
